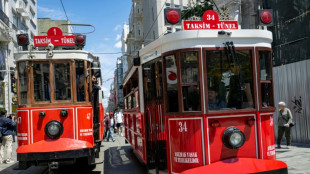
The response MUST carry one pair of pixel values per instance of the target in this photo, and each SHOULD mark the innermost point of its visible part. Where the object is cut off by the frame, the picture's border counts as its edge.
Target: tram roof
(57, 55)
(204, 38)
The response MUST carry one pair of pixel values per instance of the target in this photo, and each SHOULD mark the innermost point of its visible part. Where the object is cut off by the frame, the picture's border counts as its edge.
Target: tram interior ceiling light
(23, 40)
(233, 138)
(53, 129)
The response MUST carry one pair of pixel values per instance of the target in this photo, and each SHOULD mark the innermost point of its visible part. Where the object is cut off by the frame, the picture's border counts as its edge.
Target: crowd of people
(113, 123)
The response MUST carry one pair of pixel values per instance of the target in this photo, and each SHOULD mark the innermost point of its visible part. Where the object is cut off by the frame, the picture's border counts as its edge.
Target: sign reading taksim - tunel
(54, 36)
(210, 21)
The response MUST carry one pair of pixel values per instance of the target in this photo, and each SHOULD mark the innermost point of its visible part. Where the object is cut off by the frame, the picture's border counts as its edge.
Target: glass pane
(62, 81)
(129, 102)
(125, 102)
(148, 82)
(266, 94)
(189, 67)
(191, 98)
(230, 80)
(134, 101)
(137, 98)
(158, 79)
(80, 80)
(172, 84)
(22, 73)
(265, 65)
(41, 82)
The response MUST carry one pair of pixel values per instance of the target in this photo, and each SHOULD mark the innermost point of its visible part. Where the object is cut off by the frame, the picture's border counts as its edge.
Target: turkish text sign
(210, 21)
(54, 36)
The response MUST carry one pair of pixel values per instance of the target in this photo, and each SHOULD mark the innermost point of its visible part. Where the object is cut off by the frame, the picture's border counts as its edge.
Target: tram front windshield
(230, 80)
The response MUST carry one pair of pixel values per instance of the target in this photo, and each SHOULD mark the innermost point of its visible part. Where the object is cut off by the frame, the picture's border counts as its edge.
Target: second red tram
(60, 113)
(202, 102)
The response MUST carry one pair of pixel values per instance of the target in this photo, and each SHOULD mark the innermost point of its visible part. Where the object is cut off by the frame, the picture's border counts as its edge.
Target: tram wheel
(23, 165)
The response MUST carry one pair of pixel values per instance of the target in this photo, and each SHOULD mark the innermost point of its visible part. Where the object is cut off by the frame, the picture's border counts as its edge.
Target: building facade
(16, 17)
(134, 39)
(124, 48)
(46, 23)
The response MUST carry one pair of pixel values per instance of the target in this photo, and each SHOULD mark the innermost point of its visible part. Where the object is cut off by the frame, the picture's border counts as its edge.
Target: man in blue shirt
(8, 126)
(214, 102)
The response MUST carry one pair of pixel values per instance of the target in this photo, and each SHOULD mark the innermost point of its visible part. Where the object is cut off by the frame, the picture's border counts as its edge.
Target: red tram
(60, 113)
(202, 101)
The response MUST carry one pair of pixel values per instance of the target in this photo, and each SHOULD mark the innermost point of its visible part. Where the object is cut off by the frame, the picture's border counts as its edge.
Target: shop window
(172, 84)
(189, 66)
(62, 81)
(265, 67)
(23, 81)
(230, 79)
(41, 85)
(80, 81)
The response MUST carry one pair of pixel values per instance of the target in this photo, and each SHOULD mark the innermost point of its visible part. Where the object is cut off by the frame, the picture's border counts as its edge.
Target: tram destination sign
(210, 21)
(54, 36)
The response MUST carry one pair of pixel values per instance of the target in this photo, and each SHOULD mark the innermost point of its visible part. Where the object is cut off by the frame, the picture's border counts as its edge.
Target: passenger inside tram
(215, 103)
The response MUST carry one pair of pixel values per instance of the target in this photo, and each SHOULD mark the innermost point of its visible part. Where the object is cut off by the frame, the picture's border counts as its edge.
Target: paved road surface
(118, 158)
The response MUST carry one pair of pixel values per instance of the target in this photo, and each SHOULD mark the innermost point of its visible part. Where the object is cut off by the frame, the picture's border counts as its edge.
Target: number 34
(182, 127)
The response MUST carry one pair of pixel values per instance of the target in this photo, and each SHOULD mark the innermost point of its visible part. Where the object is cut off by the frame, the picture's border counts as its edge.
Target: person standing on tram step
(7, 126)
(119, 121)
(284, 120)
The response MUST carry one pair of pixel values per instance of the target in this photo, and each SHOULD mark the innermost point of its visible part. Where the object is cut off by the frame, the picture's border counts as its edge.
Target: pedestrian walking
(14, 131)
(284, 120)
(7, 126)
(119, 116)
(109, 128)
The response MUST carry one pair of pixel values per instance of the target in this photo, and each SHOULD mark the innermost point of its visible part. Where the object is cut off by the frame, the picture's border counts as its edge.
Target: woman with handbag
(285, 122)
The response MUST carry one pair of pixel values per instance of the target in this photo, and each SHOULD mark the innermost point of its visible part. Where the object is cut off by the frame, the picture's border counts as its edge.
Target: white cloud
(118, 37)
(106, 39)
(54, 14)
(118, 44)
(117, 27)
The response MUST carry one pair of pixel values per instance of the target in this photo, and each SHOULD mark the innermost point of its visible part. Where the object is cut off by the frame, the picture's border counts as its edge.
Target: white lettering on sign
(271, 150)
(22, 136)
(42, 40)
(271, 121)
(182, 127)
(65, 40)
(86, 132)
(210, 17)
(198, 26)
(186, 157)
(19, 120)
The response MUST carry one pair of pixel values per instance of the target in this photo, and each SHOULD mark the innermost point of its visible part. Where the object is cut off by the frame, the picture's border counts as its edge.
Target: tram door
(155, 124)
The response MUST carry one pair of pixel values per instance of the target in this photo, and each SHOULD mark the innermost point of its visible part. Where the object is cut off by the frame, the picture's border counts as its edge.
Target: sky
(107, 16)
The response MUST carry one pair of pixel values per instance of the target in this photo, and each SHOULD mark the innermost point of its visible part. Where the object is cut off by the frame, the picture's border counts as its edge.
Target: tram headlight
(233, 138)
(54, 129)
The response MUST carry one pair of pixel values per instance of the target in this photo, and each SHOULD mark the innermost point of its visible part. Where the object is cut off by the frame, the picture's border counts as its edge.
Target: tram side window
(41, 85)
(172, 84)
(189, 63)
(266, 78)
(80, 81)
(62, 81)
(230, 80)
(22, 74)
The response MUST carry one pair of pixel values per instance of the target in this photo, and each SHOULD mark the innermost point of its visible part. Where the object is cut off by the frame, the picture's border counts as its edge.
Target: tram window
(22, 74)
(129, 102)
(189, 65)
(125, 103)
(172, 84)
(80, 81)
(230, 80)
(62, 81)
(265, 65)
(41, 85)
(266, 78)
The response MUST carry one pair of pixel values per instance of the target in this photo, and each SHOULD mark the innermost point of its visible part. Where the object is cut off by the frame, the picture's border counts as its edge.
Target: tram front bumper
(242, 165)
(54, 149)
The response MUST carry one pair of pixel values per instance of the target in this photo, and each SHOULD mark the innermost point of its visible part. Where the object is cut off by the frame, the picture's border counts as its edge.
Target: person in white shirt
(119, 121)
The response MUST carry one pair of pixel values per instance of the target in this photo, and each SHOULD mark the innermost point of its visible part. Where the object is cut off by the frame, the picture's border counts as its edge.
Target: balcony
(20, 6)
(25, 15)
(4, 27)
(4, 18)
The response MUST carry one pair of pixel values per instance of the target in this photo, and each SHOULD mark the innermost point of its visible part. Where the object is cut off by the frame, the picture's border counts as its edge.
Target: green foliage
(197, 10)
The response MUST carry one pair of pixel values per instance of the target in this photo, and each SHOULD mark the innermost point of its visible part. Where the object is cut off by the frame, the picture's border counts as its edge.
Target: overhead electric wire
(63, 7)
